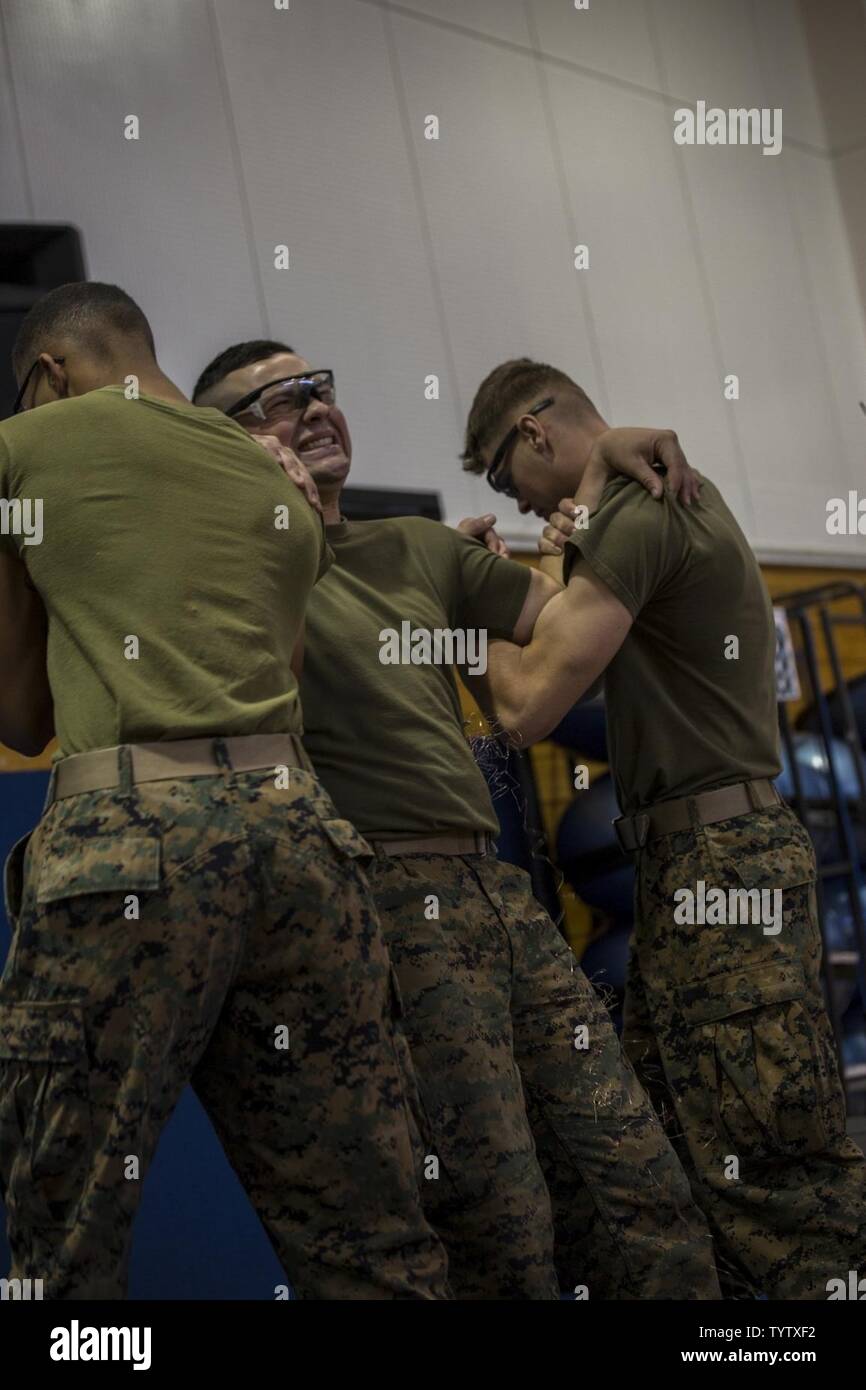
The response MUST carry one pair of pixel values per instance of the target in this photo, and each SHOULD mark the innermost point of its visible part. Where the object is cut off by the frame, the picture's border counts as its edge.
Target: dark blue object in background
(196, 1235)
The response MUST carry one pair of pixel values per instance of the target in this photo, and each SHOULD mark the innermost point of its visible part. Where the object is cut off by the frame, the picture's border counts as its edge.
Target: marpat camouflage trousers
(727, 1027)
(216, 931)
(501, 1019)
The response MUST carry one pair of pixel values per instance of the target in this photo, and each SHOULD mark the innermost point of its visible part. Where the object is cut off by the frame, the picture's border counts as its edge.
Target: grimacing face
(319, 436)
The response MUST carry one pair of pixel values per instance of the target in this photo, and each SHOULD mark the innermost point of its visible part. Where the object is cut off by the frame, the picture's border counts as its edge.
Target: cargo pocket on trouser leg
(345, 840)
(764, 1048)
(13, 879)
(45, 1117)
(13, 895)
(423, 1143)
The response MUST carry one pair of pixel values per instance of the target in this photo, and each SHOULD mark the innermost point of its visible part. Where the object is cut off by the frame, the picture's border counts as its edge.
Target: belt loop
(641, 828)
(754, 799)
(222, 758)
(694, 814)
(125, 772)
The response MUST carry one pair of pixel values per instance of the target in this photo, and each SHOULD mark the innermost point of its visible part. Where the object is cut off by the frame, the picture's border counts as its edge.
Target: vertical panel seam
(568, 208)
(234, 142)
(703, 279)
(422, 213)
(16, 115)
(805, 269)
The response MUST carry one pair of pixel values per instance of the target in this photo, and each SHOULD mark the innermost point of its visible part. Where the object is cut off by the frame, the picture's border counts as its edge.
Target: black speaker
(379, 503)
(35, 257)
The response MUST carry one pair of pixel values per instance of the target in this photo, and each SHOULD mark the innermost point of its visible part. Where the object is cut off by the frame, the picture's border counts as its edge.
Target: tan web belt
(475, 842)
(102, 770)
(667, 817)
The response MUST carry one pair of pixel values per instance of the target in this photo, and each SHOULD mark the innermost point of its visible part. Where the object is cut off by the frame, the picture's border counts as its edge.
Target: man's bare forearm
(578, 633)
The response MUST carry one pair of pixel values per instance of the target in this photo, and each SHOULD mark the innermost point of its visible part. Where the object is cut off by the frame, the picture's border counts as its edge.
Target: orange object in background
(14, 762)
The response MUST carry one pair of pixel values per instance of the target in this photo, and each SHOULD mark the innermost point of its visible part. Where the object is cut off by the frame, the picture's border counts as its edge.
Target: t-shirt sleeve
(629, 543)
(490, 590)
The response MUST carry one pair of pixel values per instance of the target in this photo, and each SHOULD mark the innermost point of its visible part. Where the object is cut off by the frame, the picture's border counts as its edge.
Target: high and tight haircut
(514, 385)
(231, 359)
(88, 313)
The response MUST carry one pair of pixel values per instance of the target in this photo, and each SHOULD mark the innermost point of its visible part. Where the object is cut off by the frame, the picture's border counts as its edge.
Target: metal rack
(814, 619)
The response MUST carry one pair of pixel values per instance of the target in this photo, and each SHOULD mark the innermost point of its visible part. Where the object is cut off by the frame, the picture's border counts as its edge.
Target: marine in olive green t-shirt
(688, 708)
(165, 524)
(387, 740)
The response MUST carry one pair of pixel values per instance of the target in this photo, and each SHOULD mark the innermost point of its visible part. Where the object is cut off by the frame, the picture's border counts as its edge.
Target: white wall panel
(611, 37)
(161, 216)
(501, 239)
(14, 202)
(328, 173)
(787, 73)
(850, 179)
(654, 330)
(708, 51)
(786, 413)
(839, 312)
(836, 36)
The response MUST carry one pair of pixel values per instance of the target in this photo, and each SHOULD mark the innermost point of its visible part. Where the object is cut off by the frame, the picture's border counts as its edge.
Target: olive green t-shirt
(175, 588)
(684, 713)
(387, 740)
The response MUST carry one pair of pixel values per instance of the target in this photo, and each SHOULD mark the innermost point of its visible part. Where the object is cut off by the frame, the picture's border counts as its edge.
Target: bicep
(582, 628)
(542, 588)
(576, 637)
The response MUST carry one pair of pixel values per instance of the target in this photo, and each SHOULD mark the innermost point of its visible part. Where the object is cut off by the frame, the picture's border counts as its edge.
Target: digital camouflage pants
(214, 931)
(727, 1027)
(501, 1020)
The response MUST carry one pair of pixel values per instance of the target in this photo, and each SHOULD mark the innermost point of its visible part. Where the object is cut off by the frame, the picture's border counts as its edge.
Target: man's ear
(533, 432)
(56, 374)
(530, 431)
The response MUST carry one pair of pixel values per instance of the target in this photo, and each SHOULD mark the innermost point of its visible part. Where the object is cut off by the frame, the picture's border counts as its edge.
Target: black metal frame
(807, 609)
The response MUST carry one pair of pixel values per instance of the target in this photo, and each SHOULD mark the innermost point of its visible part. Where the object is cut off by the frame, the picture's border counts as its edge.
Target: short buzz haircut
(510, 387)
(231, 359)
(92, 315)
